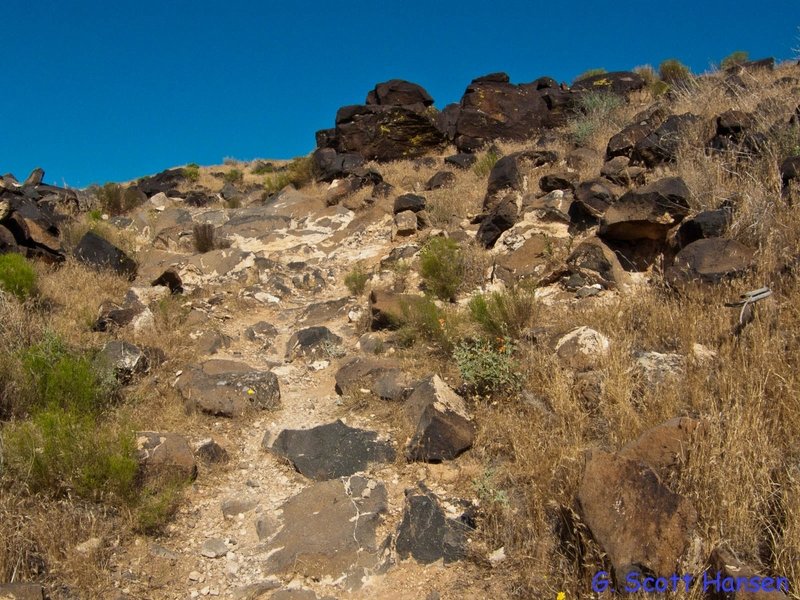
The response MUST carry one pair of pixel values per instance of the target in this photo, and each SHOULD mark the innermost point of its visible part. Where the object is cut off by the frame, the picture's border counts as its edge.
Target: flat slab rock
(343, 516)
(331, 450)
(427, 534)
(227, 388)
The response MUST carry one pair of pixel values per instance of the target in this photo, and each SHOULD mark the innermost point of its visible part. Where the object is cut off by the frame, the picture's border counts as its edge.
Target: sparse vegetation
(356, 280)
(204, 237)
(17, 276)
(115, 199)
(488, 366)
(673, 71)
(299, 172)
(734, 58)
(484, 164)
(442, 267)
(192, 172)
(590, 73)
(593, 111)
(234, 176)
(504, 314)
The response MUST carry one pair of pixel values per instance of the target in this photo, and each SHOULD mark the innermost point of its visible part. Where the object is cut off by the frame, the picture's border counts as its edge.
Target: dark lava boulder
(95, 251)
(662, 145)
(647, 212)
(332, 450)
(397, 92)
(705, 224)
(385, 133)
(502, 217)
(330, 164)
(617, 82)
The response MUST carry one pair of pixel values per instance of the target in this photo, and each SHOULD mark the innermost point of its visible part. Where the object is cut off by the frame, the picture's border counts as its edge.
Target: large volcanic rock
(397, 92)
(639, 523)
(710, 261)
(493, 108)
(647, 212)
(332, 450)
(617, 82)
(97, 252)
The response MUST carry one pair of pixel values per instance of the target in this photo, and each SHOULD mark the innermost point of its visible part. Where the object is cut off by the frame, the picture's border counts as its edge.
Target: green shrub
(502, 314)
(356, 280)
(734, 58)
(442, 267)
(60, 450)
(483, 166)
(299, 172)
(234, 176)
(192, 171)
(59, 378)
(488, 367)
(423, 320)
(17, 276)
(158, 502)
(590, 73)
(674, 71)
(263, 168)
(593, 109)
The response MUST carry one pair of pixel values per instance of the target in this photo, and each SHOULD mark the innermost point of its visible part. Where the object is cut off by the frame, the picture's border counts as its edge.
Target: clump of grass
(158, 502)
(506, 313)
(488, 366)
(263, 168)
(191, 171)
(590, 73)
(734, 58)
(673, 71)
(356, 280)
(17, 276)
(299, 172)
(115, 199)
(593, 110)
(234, 176)
(442, 267)
(423, 320)
(483, 166)
(203, 237)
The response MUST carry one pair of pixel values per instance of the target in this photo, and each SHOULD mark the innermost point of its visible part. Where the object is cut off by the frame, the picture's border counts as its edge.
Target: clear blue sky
(108, 91)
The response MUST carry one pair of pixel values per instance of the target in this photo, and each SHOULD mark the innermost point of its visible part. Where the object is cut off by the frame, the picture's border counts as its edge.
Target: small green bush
(592, 112)
(192, 171)
(483, 166)
(488, 367)
(17, 276)
(263, 168)
(356, 280)
(503, 314)
(234, 176)
(590, 73)
(299, 172)
(735, 58)
(423, 320)
(674, 71)
(442, 267)
(158, 502)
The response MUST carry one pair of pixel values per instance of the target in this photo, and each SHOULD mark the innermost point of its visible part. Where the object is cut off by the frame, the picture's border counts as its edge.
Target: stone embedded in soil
(443, 427)
(124, 359)
(638, 522)
(165, 455)
(378, 376)
(343, 516)
(710, 261)
(95, 251)
(214, 548)
(582, 348)
(665, 447)
(211, 452)
(232, 507)
(227, 388)
(313, 342)
(331, 450)
(427, 534)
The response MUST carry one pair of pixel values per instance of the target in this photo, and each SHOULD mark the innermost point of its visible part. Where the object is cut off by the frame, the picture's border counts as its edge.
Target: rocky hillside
(488, 351)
